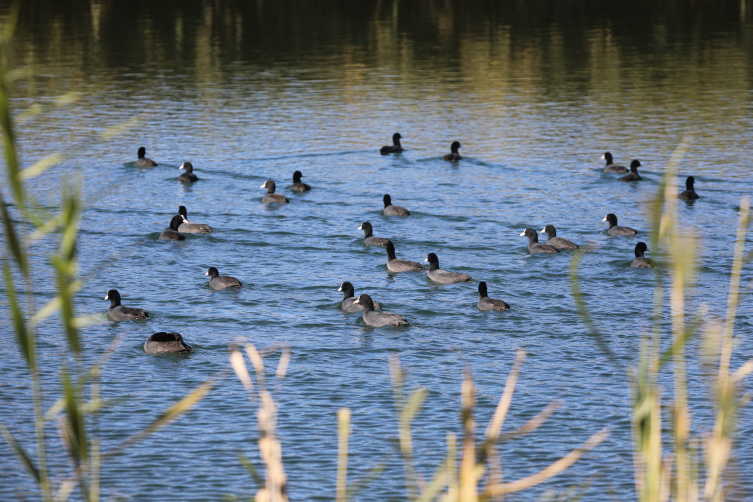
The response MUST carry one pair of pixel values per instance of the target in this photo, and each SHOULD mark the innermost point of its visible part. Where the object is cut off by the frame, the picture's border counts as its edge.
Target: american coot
(436, 274)
(271, 196)
(614, 229)
(166, 343)
(633, 176)
(221, 282)
(689, 193)
(378, 319)
(390, 210)
(395, 147)
(555, 241)
(534, 246)
(121, 313)
(188, 175)
(143, 161)
(395, 265)
(611, 167)
(370, 240)
(349, 301)
(191, 228)
(454, 156)
(486, 303)
(172, 233)
(297, 185)
(641, 261)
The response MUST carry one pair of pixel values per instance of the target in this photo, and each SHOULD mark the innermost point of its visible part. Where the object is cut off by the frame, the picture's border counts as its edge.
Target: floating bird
(121, 313)
(454, 156)
(395, 147)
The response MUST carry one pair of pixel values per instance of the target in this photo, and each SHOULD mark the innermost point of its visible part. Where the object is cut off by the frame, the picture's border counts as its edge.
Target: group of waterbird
(162, 342)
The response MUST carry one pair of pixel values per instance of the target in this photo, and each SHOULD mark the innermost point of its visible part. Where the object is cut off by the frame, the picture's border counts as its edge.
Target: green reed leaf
(19, 451)
(23, 336)
(79, 444)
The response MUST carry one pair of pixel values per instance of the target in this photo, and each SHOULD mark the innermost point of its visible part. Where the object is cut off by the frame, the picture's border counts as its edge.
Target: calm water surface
(254, 92)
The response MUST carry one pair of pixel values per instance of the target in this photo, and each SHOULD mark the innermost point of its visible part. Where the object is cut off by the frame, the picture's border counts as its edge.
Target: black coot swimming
(534, 246)
(395, 265)
(615, 229)
(378, 319)
(555, 241)
(486, 303)
(297, 185)
(610, 167)
(395, 147)
(188, 176)
(271, 196)
(349, 300)
(689, 193)
(390, 210)
(453, 156)
(166, 343)
(142, 160)
(216, 281)
(120, 313)
(641, 261)
(172, 233)
(188, 227)
(368, 238)
(633, 176)
(436, 274)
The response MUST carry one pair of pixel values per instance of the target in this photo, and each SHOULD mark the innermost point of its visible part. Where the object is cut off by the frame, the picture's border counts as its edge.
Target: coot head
(433, 261)
(347, 289)
(482, 289)
(612, 219)
(608, 157)
(640, 248)
(387, 200)
(454, 147)
(366, 301)
(176, 221)
(366, 227)
(531, 234)
(689, 183)
(634, 165)
(297, 177)
(396, 139)
(187, 166)
(269, 185)
(212, 273)
(550, 231)
(142, 152)
(114, 297)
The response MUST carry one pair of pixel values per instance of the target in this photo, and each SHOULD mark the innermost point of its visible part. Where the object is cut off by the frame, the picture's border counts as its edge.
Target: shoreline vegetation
(669, 462)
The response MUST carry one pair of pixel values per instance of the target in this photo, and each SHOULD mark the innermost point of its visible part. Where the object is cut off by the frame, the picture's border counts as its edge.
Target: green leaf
(25, 339)
(171, 414)
(79, 444)
(20, 453)
(12, 238)
(246, 462)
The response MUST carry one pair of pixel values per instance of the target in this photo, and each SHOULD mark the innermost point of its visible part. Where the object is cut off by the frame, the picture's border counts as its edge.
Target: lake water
(535, 92)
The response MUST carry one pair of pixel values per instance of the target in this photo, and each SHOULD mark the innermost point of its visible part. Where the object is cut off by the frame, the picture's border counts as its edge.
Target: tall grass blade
(170, 414)
(25, 339)
(20, 453)
(550, 471)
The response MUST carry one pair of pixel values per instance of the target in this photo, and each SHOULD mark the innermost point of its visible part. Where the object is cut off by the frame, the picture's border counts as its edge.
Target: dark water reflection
(535, 92)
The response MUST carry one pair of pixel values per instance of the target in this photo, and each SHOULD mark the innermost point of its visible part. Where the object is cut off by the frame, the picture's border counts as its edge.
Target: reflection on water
(249, 91)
